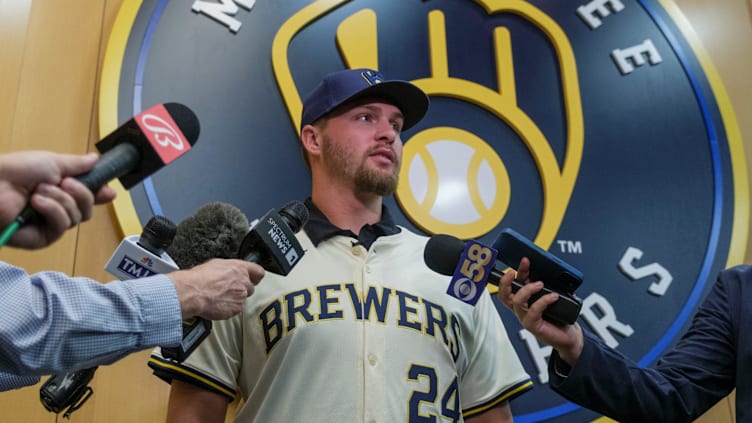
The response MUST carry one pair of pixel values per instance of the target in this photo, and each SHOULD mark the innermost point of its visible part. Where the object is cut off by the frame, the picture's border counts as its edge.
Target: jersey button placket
(373, 343)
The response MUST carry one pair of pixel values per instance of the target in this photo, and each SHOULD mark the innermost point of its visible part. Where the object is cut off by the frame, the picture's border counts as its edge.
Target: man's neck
(347, 211)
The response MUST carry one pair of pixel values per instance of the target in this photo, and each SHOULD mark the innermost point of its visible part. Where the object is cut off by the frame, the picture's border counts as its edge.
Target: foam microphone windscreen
(214, 230)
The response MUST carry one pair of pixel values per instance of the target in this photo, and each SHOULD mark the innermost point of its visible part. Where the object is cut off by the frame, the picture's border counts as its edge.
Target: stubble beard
(364, 178)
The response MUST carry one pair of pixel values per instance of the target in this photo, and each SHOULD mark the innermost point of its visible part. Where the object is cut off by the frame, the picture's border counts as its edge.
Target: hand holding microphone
(210, 288)
(448, 255)
(220, 230)
(532, 303)
(44, 179)
(132, 152)
(548, 315)
(216, 289)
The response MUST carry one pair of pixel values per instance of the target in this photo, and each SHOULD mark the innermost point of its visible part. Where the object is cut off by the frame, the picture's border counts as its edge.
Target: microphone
(272, 243)
(69, 390)
(448, 255)
(470, 264)
(137, 149)
(220, 230)
(137, 256)
(214, 230)
(140, 256)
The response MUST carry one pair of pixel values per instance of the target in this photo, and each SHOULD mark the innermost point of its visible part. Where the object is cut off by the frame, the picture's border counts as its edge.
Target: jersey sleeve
(214, 365)
(494, 373)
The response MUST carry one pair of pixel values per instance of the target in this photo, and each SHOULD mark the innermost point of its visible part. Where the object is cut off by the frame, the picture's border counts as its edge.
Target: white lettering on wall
(604, 321)
(658, 288)
(596, 9)
(224, 11)
(626, 59)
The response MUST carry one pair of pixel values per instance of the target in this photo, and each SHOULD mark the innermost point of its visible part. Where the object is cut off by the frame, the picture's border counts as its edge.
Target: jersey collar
(319, 228)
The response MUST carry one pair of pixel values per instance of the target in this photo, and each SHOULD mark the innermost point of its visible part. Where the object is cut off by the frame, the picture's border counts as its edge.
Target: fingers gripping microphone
(136, 256)
(219, 230)
(137, 149)
(214, 230)
(451, 256)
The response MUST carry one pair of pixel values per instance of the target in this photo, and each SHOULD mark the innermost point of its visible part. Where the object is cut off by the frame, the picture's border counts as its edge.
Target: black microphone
(137, 149)
(214, 230)
(144, 255)
(220, 230)
(70, 390)
(272, 243)
(157, 235)
(443, 252)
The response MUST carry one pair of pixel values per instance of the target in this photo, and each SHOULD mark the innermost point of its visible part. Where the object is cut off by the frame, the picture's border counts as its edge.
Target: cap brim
(411, 100)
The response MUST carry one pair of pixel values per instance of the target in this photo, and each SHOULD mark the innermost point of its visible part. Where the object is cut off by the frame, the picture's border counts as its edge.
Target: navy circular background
(656, 166)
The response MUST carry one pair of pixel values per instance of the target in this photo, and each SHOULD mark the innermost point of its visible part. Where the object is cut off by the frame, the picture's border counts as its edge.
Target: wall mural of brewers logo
(598, 128)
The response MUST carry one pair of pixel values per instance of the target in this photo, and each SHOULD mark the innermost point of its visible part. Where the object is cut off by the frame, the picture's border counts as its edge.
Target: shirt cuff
(162, 317)
(559, 366)
(10, 381)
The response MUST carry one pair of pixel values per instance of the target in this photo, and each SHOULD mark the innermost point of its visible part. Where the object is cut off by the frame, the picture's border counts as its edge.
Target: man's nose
(386, 132)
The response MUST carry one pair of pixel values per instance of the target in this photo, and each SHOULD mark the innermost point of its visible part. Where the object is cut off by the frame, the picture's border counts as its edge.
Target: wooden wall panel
(725, 29)
(13, 22)
(49, 71)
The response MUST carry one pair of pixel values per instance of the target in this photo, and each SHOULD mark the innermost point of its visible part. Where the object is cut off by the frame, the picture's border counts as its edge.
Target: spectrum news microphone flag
(221, 230)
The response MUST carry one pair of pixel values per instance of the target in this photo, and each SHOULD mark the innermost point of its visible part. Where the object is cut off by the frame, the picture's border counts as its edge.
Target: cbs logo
(471, 272)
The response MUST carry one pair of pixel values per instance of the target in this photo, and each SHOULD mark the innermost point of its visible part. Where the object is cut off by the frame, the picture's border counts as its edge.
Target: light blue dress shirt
(52, 323)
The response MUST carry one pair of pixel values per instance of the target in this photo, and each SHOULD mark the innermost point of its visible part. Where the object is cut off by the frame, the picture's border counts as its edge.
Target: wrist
(570, 353)
(190, 301)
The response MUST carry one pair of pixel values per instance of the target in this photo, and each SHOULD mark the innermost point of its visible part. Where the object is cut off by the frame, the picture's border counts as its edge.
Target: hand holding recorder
(557, 276)
(447, 255)
(567, 339)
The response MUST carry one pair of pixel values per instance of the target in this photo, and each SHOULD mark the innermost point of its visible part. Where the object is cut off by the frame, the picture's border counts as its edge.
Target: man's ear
(310, 137)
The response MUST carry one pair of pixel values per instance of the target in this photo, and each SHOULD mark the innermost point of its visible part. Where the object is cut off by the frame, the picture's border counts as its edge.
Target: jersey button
(372, 360)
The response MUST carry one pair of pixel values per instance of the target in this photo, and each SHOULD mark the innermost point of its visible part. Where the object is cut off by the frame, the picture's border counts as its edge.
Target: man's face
(363, 145)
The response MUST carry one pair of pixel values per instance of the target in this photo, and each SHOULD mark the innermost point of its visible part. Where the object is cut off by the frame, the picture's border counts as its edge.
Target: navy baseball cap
(353, 84)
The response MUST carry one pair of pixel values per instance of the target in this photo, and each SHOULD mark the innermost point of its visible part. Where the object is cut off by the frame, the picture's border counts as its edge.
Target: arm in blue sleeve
(687, 381)
(53, 323)
(10, 381)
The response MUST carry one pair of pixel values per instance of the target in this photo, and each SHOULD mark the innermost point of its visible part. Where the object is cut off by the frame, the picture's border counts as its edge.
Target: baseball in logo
(599, 129)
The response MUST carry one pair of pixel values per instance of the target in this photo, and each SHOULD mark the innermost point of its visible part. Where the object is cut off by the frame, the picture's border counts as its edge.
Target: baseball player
(360, 330)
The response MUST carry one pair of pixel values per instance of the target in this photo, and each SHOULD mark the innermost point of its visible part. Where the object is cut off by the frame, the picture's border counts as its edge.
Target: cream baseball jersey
(357, 335)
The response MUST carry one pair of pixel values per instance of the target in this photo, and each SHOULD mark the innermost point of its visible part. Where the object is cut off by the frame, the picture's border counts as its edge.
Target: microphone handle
(116, 162)
(253, 257)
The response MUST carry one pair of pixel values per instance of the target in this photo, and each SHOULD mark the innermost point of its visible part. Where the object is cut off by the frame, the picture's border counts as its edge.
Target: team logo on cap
(373, 78)
(596, 128)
